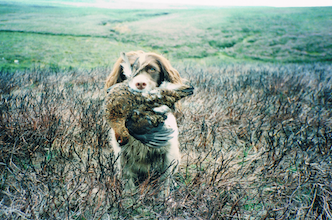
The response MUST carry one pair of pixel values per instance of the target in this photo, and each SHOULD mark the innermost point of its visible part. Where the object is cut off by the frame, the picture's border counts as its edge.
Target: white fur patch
(170, 86)
(126, 70)
(162, 109)
(170, 122)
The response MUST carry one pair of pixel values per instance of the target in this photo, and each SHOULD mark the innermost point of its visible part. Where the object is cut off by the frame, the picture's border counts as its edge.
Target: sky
(275, 3)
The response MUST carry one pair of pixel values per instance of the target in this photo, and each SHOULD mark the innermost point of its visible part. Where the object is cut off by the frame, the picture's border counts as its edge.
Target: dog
(136, 161)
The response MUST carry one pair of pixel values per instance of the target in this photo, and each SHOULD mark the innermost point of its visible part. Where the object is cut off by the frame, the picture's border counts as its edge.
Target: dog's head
(151, 71)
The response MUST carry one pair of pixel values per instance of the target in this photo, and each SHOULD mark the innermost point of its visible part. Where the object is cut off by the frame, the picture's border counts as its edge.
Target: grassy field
(255, 141)
(93, 37)
(255, 137)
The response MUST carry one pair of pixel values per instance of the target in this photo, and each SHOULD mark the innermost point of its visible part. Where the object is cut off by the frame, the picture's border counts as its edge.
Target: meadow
(255, 137)
(94, 37)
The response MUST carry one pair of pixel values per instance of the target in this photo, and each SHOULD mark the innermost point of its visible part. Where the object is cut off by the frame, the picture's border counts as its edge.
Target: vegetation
(255, 137)
(93, 37)
(256, 143)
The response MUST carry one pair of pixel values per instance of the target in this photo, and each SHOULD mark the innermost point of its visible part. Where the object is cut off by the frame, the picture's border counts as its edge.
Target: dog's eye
(151, 69)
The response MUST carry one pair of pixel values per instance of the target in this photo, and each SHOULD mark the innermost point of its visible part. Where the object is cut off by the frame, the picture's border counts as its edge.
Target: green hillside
(92, 37)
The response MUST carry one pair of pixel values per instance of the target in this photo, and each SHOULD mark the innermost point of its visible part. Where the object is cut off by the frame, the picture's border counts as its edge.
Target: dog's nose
(140, 85)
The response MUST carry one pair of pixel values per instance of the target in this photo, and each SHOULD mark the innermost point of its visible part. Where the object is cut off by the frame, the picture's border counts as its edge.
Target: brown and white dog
(137, 161)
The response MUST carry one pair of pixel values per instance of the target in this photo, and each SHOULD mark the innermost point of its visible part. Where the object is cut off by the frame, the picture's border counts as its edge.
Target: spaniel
(137, 161)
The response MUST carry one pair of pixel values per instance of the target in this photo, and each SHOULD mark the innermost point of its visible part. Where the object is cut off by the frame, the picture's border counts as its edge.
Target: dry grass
(256, 143)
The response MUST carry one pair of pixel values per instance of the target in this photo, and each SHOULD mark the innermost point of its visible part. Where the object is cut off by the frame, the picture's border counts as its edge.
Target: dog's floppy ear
(116, 75)
(168, 73)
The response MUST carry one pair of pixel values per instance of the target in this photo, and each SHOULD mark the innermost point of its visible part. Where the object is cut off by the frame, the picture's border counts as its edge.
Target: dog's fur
(137, 161)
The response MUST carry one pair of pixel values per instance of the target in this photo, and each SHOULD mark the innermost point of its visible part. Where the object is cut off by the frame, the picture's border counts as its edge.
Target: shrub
(255, 139)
